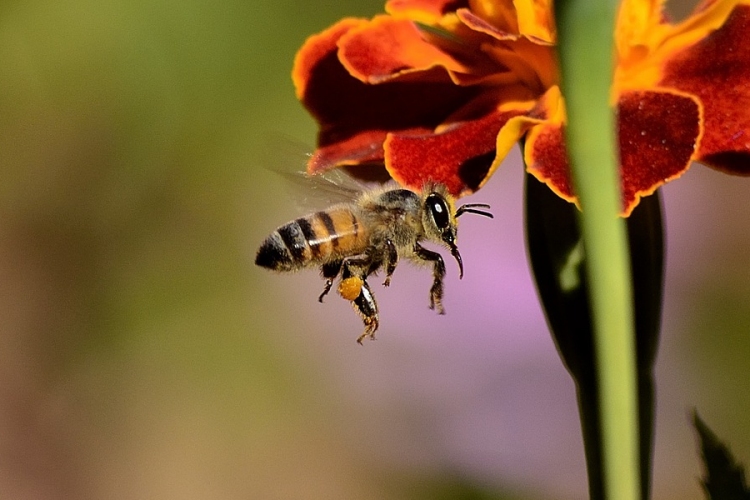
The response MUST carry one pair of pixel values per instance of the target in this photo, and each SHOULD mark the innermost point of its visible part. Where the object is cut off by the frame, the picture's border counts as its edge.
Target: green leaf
(724, 478)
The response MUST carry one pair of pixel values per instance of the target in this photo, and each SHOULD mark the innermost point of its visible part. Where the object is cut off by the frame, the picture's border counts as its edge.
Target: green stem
(585, 30)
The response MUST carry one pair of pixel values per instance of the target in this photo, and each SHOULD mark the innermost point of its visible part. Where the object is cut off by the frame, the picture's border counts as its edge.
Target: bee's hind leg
(367, 308)
(329, 271)
(354, 287)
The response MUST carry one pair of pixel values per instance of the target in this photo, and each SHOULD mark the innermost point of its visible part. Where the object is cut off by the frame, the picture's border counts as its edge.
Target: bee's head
(440, 219)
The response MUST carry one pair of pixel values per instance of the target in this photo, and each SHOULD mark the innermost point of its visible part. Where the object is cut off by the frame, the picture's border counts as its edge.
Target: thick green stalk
(585, 31)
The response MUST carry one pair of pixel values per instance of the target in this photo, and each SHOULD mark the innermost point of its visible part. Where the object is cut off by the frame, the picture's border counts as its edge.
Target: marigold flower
(440, 90)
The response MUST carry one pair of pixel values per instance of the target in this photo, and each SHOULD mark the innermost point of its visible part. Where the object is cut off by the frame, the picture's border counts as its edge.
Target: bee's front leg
(438, 273)
(391, 260)
(329, 271)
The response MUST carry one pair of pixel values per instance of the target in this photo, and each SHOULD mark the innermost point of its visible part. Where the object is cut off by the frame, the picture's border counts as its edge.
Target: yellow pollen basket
(350, 288)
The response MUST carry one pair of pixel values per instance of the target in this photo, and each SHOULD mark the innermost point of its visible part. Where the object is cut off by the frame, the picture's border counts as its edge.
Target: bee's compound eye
(439, 210)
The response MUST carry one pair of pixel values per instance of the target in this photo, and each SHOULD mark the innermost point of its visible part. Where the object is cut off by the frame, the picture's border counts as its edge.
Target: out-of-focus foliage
(724, 479)
(134, 359)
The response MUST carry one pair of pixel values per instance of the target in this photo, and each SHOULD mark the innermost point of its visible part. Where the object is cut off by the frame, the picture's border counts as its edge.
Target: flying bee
(352, 241)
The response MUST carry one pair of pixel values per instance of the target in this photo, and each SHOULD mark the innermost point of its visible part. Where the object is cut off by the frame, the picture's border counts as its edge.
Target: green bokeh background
(131, 355)
(141, 354)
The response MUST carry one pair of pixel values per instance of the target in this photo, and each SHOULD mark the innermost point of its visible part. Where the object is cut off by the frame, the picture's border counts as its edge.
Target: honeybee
(354, 240)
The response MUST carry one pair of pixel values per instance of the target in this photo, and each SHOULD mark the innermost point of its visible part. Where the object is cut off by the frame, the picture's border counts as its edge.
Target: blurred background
(143, 355)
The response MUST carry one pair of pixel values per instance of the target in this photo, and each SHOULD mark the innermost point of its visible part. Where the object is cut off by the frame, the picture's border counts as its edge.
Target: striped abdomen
(314, 239)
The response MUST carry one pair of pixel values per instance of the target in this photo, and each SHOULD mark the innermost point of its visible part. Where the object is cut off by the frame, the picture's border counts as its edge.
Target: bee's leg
(329, 271)
(438, 273)
(354, 287)
(360, 266)
(367, 308)
(391, 260)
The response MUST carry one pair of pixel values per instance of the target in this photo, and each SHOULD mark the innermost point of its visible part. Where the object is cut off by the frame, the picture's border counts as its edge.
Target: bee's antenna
(469, 208)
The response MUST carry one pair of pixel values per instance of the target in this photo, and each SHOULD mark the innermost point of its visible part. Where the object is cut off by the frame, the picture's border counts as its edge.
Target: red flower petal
(364, 147)
(388, 47)
(317, 48)
(658, 133)
(354, 116)
(547, 159)
(717, 70)
(459, 157)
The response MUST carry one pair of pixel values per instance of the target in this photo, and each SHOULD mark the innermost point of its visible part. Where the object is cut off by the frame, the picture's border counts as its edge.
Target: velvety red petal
(356, 115)
(317, 48)
(364, 147)
(386, 48)
(658, 134)
(459, 157)
(717, 71)
(547, 158)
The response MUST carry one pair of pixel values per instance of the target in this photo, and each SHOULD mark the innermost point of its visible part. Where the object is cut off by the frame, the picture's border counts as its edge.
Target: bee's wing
(313, 192)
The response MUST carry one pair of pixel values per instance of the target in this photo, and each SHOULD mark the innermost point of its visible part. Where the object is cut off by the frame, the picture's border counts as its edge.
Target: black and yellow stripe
(314, 239)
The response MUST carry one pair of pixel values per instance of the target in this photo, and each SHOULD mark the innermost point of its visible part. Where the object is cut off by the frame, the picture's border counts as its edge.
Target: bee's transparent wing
(312, 192)
(315, 191)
